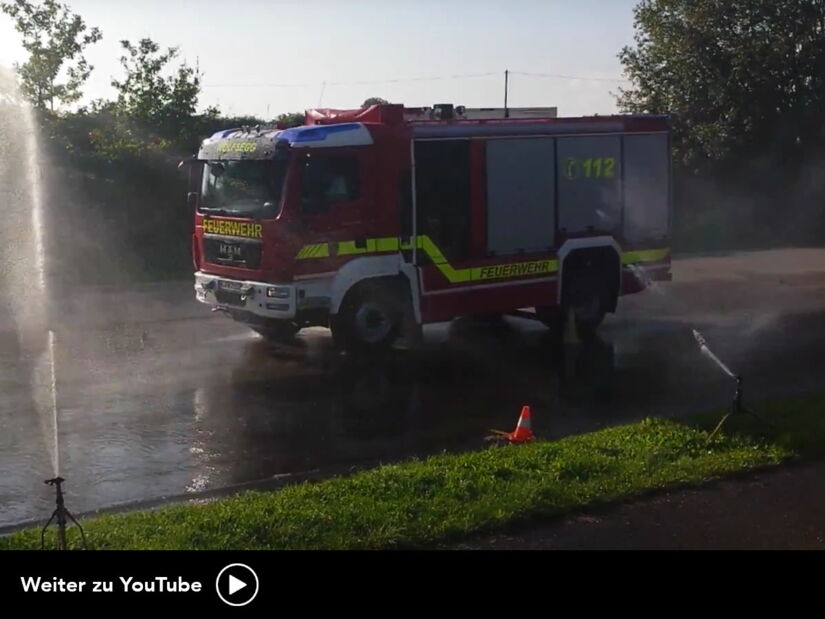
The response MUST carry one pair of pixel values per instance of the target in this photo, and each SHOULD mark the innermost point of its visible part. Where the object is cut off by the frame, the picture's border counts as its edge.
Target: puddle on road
(210, 407)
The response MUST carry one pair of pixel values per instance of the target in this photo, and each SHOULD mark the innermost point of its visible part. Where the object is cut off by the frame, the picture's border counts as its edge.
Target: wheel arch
(574, 249)
(375, 270)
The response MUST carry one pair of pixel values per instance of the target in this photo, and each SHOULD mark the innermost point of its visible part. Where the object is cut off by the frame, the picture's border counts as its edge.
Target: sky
(264, 57)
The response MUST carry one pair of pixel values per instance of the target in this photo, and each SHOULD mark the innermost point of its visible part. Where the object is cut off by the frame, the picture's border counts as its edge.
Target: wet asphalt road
(778, 509)
(158, 397)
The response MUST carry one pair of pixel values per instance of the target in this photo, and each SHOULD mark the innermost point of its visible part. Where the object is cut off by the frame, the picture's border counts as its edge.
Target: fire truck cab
(373, 220)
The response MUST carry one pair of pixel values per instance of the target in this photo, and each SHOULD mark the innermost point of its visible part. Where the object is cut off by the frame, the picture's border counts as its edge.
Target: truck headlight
(277, 292)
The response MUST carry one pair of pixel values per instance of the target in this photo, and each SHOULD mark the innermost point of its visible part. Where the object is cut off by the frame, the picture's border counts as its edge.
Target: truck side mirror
(188, 164)
(192, 200)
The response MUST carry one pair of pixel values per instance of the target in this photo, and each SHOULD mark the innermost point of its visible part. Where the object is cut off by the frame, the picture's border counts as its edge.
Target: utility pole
(506, 88)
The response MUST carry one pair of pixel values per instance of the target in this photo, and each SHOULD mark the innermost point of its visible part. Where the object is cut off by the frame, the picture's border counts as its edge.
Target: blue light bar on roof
(316, 134)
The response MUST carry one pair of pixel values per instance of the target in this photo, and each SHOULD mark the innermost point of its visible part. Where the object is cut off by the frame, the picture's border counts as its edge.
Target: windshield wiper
(219, 211)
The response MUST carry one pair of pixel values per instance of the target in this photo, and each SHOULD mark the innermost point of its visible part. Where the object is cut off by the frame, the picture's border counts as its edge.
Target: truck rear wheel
(590, 286)
(588, 317)
(369, 319)
(588, 298)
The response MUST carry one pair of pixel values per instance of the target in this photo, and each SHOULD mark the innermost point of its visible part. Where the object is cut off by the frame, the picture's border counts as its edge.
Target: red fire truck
(374, 220)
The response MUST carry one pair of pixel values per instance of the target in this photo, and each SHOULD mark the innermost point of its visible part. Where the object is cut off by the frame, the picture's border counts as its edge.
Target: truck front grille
(232, 252)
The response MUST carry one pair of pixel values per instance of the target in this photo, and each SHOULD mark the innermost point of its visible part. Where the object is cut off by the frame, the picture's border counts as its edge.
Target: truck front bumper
(265, 300)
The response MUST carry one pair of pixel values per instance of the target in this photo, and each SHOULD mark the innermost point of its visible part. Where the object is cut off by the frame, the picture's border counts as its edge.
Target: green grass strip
(424, 502)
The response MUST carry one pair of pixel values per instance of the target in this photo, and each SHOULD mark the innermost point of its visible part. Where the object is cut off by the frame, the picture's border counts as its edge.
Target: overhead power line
(413, 79)
(352, 83)
(570, 77)
(417, 79)
(258, 85)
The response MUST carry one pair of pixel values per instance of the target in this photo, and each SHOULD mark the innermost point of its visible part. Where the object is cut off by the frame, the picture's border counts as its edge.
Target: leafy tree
(55, 39)
(290, 119)
(738, 77)
(744, 84)
(149, 94)
(374, 101)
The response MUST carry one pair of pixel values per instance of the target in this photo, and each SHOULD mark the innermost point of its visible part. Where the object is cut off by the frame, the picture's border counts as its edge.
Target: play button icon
(237, 584)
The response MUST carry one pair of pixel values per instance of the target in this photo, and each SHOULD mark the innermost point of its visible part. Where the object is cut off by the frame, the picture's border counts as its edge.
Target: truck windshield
(248, 188)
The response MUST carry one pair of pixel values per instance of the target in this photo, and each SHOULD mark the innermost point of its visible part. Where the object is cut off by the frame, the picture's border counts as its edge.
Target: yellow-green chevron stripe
(457, 276)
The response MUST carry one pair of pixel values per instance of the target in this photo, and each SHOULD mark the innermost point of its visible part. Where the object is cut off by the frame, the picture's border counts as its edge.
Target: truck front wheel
(369, 319)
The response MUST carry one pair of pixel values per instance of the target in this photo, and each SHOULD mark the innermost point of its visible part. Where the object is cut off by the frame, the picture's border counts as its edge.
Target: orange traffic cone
(523, 432)
(524, 429)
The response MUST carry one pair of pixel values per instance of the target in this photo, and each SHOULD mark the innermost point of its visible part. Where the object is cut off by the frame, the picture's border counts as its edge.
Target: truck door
(336, 193)
(443, 220)
(485, 212)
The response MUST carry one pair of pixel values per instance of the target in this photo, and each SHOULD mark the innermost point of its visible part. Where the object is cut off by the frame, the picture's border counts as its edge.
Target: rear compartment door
(485, 223)
(589, 170)
(521, 188)
(646, 188)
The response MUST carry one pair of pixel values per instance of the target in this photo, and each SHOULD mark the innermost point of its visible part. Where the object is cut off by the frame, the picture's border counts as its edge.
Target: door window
(327, 180)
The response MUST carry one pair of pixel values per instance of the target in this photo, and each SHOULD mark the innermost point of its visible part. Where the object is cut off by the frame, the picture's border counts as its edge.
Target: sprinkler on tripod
(737, 406)
(61, 513)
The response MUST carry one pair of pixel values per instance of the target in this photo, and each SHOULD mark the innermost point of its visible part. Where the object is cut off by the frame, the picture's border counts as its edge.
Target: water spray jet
(703, 348)
(737, 406)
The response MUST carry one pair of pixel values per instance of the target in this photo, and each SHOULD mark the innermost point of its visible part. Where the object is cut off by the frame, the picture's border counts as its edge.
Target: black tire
(277, 331)
(370, 318)
(588, 322)
(589, 309)
(588, 299)
(589, 287)
(588, 317)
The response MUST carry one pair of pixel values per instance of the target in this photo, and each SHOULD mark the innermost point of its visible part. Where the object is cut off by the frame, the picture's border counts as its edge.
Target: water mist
(23, 260)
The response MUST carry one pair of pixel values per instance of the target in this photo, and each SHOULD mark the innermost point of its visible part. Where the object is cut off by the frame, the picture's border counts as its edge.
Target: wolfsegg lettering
(236, 147)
